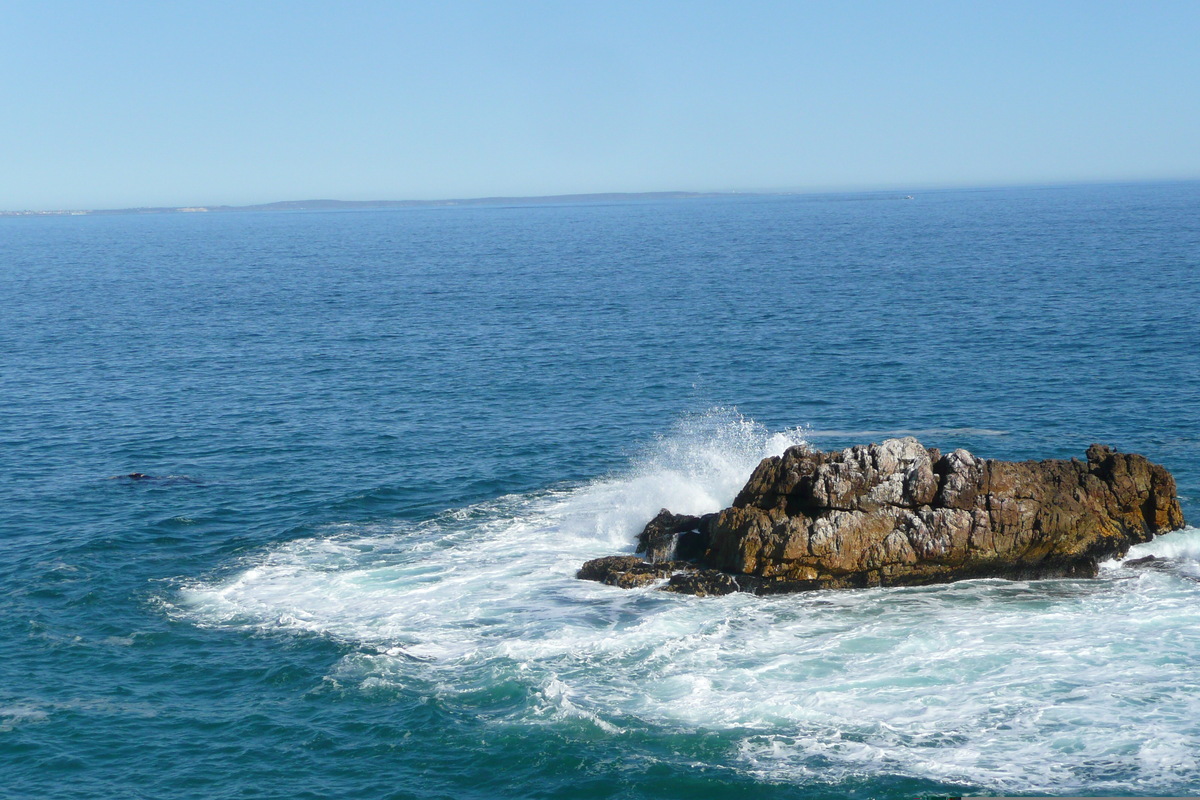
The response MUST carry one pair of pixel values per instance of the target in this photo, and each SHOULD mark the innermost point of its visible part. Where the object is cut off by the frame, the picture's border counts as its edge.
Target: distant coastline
(351, 205)
(891, 193)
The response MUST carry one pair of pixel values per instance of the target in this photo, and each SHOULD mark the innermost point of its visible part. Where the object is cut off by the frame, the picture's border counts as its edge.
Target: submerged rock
(897, 513)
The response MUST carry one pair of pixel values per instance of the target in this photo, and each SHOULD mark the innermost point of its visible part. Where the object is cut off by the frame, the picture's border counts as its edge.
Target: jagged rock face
(669, 536)
(897, 513)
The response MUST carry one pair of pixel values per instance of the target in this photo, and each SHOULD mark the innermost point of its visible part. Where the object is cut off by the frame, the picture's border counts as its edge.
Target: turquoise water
(382, 442)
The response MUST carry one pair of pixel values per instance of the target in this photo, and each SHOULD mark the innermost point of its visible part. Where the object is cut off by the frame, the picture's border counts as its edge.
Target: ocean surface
(380, 443)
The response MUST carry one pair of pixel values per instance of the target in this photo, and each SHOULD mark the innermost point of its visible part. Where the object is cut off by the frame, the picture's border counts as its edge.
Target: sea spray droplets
(697, 468)
(715, 452)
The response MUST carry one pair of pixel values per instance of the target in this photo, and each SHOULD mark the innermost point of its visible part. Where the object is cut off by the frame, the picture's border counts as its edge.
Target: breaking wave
(1013, 686)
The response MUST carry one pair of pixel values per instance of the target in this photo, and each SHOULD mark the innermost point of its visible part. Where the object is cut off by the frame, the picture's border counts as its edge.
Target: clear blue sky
(109, 104)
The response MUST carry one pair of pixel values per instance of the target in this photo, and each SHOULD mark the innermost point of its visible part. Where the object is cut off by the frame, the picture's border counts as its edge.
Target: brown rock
(702, 583)
(628, 572)
(670, 536)
(898, 514)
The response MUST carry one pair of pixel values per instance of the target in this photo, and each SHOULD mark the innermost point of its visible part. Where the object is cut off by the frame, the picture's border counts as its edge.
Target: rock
(669, 536)
(1150, 562)
(702, 583)
(628, 572)
(158, 480)
(896, 513)
(598, 569)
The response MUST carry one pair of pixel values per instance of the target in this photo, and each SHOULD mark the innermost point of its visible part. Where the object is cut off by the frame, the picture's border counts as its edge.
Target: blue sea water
(381, 443)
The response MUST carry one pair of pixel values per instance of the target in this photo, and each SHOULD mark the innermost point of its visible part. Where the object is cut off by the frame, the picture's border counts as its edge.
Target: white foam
(12, 716)
(1050, 686)
(1181, 545)
(505, 556)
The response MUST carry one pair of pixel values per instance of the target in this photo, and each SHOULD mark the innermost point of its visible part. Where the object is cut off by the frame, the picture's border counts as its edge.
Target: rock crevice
(897, 513)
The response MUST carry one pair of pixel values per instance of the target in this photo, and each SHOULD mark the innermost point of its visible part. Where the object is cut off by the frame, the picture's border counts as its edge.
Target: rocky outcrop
(897, 513)
(669, 536)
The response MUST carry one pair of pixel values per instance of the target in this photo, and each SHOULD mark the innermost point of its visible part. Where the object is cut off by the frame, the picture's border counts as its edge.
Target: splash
(1047, 686)
(1180, 546)
(396, 583)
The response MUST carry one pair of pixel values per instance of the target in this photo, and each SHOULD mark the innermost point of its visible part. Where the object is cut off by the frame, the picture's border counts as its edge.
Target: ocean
(380, 443)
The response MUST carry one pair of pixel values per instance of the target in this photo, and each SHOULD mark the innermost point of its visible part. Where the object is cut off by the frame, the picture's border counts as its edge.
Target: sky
(121, 104)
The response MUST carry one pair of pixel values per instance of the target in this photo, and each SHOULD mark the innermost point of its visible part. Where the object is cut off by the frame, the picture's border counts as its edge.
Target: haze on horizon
(150, 104)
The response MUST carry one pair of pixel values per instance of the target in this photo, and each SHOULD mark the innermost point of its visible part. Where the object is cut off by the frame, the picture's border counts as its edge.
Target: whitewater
(1044, 686)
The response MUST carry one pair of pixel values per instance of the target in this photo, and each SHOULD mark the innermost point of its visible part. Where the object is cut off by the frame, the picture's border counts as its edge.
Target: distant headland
(353, 205)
